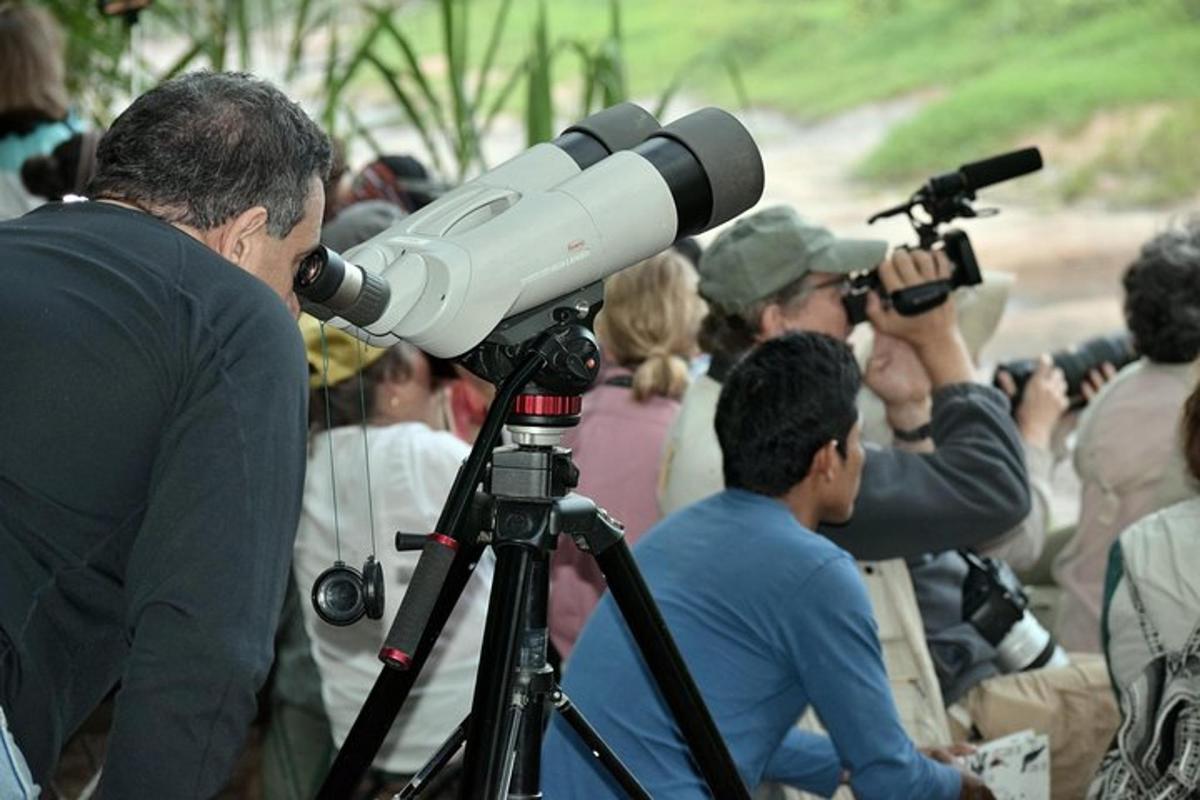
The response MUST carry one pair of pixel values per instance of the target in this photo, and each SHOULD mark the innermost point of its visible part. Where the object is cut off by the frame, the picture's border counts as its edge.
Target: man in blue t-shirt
(770, 616)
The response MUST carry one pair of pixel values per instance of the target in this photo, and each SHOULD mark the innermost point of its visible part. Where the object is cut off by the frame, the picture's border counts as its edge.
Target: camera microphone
(973, 176)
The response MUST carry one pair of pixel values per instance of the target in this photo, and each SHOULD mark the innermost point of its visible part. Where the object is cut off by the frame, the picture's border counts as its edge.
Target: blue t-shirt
(770, 618)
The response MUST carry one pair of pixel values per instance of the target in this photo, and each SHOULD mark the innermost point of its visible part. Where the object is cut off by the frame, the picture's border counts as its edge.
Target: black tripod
(541, 361)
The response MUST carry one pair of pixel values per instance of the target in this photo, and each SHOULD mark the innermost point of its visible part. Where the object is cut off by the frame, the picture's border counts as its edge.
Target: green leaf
(539, 109)
(489, 55)
(409, 107)
(181, 63)
(299, 30)
(384, 18)
(242, 28)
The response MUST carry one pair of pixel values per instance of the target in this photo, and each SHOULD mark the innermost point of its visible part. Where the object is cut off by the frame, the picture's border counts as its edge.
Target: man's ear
(771, 322)
(825, 461)
(243, 235)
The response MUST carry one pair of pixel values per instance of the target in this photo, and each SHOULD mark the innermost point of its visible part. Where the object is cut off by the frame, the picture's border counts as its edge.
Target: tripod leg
(390, 691)
(599, 748)
(436, 763)
(489, 736)
(658, 649)
(535, 681)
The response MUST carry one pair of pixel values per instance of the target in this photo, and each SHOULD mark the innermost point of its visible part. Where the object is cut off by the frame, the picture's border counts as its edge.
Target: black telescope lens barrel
(344, 290)
(728, 158)
(685, 178)
(1003, 167)
(321, 273)
(583, 148)
(619, 127)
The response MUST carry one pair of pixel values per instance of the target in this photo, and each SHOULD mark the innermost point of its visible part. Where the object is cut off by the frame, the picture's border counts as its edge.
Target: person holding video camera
(772, 272)
(153, 460)
(770, 616)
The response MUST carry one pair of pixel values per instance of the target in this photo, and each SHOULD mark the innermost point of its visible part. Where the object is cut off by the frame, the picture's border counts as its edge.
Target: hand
(934, 334)
(897, 376)
(908, 268)
(1042, 404)
(948, 754)
(973, 788)
(1096, 379)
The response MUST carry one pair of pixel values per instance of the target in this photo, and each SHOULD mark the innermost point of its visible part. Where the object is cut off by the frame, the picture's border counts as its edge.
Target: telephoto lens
(996, 605)
(1076, 362)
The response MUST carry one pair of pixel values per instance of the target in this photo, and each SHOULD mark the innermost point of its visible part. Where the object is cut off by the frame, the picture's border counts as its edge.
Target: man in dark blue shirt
(770, 616)
(152, 433)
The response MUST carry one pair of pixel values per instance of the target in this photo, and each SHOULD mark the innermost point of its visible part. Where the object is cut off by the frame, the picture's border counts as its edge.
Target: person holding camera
(1127, 436)
(772, 272)
(153, 460)
(770, 616)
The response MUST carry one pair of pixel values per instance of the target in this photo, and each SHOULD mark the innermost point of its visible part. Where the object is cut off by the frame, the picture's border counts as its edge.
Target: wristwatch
(914, 435)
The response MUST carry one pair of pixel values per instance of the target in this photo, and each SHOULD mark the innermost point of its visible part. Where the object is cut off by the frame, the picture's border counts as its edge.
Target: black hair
(783, 402)
(204, 147)
(1162, 296)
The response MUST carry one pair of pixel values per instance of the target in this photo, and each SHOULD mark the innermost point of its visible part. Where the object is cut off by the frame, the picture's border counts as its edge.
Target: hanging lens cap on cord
(372, 582)
(338, 595)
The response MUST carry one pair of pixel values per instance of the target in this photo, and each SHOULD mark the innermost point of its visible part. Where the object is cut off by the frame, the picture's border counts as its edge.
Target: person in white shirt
(412, 467)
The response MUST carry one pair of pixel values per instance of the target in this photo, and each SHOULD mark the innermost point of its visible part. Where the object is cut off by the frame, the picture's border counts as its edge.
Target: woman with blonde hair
(647, 331)
(34, 108)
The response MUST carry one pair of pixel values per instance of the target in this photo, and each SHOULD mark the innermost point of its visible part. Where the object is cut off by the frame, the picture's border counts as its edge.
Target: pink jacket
(617, 447)
(1126, 445)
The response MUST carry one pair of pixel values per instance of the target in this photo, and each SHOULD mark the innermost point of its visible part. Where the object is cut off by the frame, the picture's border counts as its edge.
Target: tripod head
(560, 331)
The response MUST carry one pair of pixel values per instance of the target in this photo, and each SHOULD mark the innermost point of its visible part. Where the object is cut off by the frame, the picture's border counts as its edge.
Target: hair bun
(42, 176)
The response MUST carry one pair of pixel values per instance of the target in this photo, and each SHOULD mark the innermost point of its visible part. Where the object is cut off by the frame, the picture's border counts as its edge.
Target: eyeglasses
(843, 283)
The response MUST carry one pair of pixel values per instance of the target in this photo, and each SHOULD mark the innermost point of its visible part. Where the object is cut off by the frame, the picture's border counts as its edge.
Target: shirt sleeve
(207, 572)
(972, 488)
(833, 640)
(807, 761)
(1022, 546)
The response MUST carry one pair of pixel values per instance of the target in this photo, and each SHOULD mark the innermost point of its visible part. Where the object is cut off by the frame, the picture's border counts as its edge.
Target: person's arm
(207, 571)
(1039, 414)
(973, 487)
(807, 761)
(832, 639)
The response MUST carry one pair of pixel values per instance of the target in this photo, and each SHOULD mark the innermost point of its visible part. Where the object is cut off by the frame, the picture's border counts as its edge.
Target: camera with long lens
(1075, 362)
(995, 603)
(941, 199)
(607, 193)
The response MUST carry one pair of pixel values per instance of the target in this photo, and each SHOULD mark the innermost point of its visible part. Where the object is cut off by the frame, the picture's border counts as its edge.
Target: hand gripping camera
(943, 198)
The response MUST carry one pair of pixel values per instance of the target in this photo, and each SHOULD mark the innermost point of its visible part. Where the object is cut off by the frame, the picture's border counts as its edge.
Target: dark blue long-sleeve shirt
(152, 452)
(770, 618)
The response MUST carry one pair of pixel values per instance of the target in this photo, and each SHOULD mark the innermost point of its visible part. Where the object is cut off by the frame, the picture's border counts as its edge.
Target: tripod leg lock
(592, 528)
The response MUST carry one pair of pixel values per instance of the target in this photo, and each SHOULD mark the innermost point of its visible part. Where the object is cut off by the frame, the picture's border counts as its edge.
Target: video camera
(942, 198)
(610, 191)
(1076, 362)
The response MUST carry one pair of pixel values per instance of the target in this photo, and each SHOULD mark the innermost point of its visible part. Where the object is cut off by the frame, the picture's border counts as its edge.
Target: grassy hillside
(994, 69)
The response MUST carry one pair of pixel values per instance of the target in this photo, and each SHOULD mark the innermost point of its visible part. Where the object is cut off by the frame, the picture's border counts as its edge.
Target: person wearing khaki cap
(774, 271)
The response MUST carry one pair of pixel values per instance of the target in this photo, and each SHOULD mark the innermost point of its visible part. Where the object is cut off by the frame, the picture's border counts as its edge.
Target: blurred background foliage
(1118, 81)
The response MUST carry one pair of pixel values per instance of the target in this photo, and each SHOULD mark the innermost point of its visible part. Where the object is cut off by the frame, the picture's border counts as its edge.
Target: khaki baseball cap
(763, 252)
(346, 355)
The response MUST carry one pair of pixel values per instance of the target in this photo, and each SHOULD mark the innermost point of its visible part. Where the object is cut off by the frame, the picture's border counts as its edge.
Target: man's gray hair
(204, 147)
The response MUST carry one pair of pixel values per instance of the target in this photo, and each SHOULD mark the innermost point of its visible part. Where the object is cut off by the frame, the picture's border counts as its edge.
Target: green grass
(999, 69)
